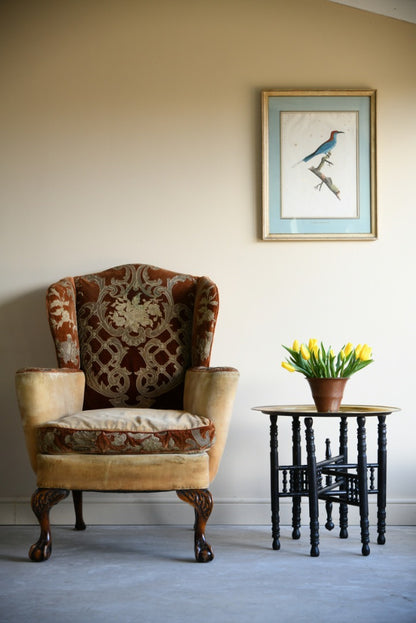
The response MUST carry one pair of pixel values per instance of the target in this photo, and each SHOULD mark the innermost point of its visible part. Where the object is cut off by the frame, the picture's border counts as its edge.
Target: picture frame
(319, 164)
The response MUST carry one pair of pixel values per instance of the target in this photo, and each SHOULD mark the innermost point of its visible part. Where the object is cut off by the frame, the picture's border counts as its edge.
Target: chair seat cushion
(126, 431)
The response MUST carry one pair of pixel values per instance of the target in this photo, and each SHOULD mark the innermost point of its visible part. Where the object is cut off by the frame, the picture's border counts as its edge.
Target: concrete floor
(147, 574)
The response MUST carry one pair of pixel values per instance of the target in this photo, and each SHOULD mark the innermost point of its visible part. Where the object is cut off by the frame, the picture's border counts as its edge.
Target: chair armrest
(210, 392)
(44, 394)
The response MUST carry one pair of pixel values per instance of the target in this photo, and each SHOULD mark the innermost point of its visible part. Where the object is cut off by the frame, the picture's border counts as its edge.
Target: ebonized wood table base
(334, 479)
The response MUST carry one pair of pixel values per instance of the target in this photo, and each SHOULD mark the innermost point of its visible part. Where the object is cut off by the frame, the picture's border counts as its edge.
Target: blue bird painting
(325, 147)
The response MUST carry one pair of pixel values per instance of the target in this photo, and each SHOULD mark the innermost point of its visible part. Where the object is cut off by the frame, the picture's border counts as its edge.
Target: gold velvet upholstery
(133, 405)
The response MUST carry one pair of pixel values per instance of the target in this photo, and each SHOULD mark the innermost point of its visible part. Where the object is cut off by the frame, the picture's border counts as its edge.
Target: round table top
(310, 410)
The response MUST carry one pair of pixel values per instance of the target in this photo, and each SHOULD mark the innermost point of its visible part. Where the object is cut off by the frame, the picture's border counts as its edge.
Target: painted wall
(131, 132)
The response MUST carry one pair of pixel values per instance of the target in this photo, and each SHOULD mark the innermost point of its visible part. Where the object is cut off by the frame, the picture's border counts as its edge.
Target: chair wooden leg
(42, 502)
(79, 520)
(201, 500)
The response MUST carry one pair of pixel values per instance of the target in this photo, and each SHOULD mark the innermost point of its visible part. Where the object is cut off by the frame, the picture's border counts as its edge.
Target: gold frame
(366, 187)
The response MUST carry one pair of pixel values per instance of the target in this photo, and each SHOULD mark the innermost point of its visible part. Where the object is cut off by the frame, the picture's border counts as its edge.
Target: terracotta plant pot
(327, 393)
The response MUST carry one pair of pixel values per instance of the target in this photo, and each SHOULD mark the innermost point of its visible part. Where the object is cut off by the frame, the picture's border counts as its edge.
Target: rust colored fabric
(61, 306)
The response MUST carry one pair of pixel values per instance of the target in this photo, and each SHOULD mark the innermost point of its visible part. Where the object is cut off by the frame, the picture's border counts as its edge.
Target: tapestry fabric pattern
(134, 330)
(126, 431)
(61, 305)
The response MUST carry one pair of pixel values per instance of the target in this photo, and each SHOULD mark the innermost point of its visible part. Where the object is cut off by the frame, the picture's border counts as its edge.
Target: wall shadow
(26, 342)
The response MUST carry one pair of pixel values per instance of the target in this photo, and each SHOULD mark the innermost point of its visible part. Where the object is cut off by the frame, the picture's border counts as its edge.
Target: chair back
(134, 330)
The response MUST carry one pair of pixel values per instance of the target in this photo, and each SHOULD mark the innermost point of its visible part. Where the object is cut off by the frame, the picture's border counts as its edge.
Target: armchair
(133, 405)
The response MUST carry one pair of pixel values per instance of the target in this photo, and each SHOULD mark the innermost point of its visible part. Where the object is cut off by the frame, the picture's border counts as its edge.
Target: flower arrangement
(316, 361)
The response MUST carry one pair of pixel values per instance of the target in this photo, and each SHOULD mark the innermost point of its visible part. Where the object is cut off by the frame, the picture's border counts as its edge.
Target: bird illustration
(326, 147)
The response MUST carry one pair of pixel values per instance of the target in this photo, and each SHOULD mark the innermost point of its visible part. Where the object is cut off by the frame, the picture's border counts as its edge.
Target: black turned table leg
(328, 504)
(381, 480)
(362, 485)
(343, 450)
(313, 487)
(296, 460)
(274, 481)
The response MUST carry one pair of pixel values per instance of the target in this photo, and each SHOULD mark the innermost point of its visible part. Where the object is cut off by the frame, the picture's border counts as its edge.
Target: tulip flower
(312, 343)
(348, 349)
(305, 352)
(315, 350)
(288, 366)
(317, 361)
(365, 353)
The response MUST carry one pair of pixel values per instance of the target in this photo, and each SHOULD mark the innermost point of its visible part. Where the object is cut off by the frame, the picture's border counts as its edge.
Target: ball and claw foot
(40, 551)
(203, 551)
(42, 501)
(201, 500)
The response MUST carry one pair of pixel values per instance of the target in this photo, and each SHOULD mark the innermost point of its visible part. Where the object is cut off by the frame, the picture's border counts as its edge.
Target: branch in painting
(324, 179)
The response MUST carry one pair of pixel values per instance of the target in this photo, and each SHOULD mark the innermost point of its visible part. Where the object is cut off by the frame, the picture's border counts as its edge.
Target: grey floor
(147, 574)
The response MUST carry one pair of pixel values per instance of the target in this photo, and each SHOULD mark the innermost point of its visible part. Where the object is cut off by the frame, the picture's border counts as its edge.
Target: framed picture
(319, 169)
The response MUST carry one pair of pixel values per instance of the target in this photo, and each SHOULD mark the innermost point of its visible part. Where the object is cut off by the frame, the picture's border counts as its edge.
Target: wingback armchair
(133, 405)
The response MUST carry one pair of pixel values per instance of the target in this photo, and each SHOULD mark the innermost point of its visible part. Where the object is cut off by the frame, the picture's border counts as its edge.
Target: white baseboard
(157, 509)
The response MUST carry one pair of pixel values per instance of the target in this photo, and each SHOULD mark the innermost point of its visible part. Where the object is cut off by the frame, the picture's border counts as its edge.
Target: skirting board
(167, 509)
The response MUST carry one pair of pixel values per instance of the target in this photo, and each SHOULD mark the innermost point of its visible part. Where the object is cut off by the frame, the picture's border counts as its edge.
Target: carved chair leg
(79, 520)
(42, 502)
(201, 500)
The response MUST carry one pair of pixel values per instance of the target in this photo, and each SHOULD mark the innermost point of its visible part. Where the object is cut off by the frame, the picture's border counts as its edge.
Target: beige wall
(130, 132)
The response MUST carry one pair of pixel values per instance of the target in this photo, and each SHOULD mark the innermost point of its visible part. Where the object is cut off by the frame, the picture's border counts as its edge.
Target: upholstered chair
(133, 405)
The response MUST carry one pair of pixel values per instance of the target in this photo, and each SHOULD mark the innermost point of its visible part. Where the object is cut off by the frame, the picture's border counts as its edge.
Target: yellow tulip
(342, 354)
(365, 353)
(296, 346)
(304, 352)
(331, 352)
(288, 366)
(348, 349)
(315, 350)
(312, 343)
(358, 350)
